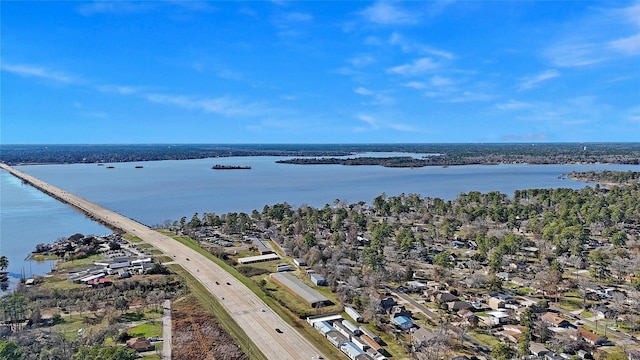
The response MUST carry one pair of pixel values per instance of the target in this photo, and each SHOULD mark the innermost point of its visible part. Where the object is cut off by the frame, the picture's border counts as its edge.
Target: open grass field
(149, 329)
(78, 263)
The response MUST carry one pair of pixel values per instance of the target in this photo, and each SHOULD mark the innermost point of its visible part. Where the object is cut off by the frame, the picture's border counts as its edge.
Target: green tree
(443, 260)
(9, 350)
(502, 352)
(105, 353)
(405, 239)
(4, 263)
(599, 264)
(309, 240)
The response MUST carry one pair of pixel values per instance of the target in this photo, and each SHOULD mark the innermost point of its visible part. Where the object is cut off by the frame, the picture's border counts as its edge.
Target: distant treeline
(607, 176)
(449, 154)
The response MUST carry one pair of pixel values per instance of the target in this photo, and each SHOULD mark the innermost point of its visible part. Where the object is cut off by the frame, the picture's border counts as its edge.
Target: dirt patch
(198, 336)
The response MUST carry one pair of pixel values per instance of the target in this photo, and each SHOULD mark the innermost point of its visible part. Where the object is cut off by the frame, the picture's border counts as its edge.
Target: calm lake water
(168, 190)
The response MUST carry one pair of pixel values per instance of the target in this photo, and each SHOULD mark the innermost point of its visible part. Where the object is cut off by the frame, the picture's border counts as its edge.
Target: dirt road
(256, 319)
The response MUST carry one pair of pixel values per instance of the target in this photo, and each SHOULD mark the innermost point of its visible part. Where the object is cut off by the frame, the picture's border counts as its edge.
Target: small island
(230, 167)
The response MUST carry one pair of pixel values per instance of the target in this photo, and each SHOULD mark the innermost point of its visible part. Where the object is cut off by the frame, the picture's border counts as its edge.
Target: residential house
(555, 320)
(552, 356)
(444, 297)
(589, 337)
(140, 344)
(496, 303)
(388, 304)
(402, 322)
(494, 318)
(537, 349)
(422, 335)
(458, 305)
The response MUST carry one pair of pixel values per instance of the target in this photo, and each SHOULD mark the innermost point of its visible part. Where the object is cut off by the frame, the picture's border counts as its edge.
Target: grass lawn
(152, 357)
(484, 339)
(132, 238)
(152, 328)
(60, 282)
(77, 263)
(43, 257)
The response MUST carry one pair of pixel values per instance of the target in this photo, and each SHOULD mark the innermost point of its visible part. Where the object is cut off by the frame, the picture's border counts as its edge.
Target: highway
(254, 317)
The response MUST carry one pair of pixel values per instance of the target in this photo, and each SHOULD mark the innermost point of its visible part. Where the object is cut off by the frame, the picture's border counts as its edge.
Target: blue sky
(319, 72)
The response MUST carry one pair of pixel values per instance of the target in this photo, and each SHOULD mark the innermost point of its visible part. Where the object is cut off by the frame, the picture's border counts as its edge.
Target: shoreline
(241, 303)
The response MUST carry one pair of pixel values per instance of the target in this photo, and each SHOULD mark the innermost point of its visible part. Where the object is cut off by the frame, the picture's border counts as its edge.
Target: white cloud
(470, 96)
(416, 85)
(575, 54)
(417, 67)
(363, 91)
(388, 13)
(439, 81)
(368, 119)
(377, 98)
(297, 17)
(513, 105)
(611, 35)
(362, 61)
(529, 82)
(224, 105)
(633, 115)
(629, 45)
(122, 90)
(377, 124)
(113, 7)
(410, 46)
(39, 72)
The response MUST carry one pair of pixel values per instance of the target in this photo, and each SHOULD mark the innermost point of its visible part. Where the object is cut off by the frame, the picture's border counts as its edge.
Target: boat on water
(138, 166)
(230, 167)
(110, 167)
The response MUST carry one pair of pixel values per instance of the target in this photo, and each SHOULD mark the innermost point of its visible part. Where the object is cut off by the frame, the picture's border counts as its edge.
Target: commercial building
(258, 258)
(300, 289)
(353, 313)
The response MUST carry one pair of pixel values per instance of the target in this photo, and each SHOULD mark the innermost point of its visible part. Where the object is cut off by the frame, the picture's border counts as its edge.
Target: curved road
(256, 319)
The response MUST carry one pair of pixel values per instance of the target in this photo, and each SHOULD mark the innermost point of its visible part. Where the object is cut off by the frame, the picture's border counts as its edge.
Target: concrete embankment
(247, 309)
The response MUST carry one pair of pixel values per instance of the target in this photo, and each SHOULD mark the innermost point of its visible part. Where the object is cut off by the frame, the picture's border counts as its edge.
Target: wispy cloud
(39, 72)
(417, 67)
(377, 98)
(410, 46)
(118, 89)
(629, 45)
(113, 7)
(513, 105)
(612, 35)
(470, 96)
(529, 82)
(389, 13)
(224, 105)
(361, 61)
(375, 123)
(633, 115)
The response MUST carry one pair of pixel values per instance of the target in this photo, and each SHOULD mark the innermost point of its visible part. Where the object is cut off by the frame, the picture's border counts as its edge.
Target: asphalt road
(256, 319)
(166, 330)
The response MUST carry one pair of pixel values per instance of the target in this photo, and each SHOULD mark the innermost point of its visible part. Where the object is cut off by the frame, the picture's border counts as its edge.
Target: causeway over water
(254, 317)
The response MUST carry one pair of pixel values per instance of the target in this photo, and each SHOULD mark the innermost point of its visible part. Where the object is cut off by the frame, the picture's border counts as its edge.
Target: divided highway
(256, 319)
